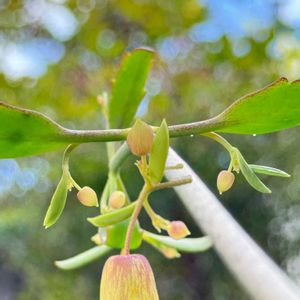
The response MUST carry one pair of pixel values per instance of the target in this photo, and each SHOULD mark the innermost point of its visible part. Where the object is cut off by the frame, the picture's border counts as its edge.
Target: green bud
(225, 181)
(140, 138)
(87, 196)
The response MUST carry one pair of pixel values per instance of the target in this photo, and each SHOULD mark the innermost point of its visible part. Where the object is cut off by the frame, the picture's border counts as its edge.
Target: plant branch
(172, 183)
(158, 222)
(66, 156)
(75, 184)
(110, 135)
(123, 152)
(220, 140)
(139, 204)
(175, 167)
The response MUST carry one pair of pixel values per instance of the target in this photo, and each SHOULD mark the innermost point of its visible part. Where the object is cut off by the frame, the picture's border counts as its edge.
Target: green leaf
(191, 245)
(83, 259)
(116, 235)
(25, 132)
(113, 217)
(270, 109)
(128, 89)
(248, 173)
(159, 153)
(269, 171)
(58, 201)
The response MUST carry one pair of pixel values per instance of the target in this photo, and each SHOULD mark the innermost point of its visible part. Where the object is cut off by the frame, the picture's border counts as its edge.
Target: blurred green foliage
(190, 81)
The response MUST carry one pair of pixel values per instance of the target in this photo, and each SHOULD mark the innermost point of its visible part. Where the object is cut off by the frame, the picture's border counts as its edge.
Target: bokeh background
(57, 56)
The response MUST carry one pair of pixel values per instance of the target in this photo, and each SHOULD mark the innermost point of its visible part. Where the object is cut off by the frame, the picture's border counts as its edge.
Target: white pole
(256, 272)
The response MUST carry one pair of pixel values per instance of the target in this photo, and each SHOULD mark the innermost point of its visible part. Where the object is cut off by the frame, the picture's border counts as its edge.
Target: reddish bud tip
(178, 230)
(128, 277)
(117, 199)
(87, 196)
(225, 181)
(140, 138)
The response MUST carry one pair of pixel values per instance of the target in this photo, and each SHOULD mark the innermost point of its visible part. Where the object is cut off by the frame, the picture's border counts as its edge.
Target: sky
(24, 56)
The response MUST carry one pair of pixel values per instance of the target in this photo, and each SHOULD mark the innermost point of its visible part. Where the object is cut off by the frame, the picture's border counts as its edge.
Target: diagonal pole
(255, 271)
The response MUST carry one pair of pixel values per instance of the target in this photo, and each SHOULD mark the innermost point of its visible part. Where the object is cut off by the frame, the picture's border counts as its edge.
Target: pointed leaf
(58, 201)
(249, 175)
(269, 171)
(25, 132)
(159, 153)
(83, 259)
(113, 217)
(128, 89)
(116, 235)
(270, 109)
(191, 245)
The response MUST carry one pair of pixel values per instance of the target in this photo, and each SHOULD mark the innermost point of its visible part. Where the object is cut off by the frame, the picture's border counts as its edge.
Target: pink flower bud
(140, 138)
(178, 230)
(117, 199)
(128, 277)
(225, 181)
(87, 196)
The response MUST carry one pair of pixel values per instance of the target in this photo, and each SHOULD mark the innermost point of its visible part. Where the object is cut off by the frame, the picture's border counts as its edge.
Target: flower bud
(97, 239)
(140, 138)
(178, 230)
(170, 253)
(87, 196)
(101, 100)
(225, 181)
(127, 277)
(117, 199)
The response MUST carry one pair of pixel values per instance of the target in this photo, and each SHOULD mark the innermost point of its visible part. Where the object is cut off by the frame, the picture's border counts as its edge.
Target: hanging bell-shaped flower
(128, 277)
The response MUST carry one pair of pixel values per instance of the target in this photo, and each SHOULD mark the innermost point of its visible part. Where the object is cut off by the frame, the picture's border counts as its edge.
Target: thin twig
(172, 183)
(142, 196)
